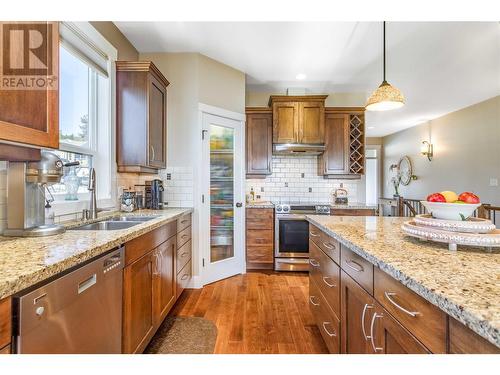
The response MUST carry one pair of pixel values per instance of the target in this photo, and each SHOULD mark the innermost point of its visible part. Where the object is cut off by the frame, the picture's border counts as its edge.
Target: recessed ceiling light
(301, 76)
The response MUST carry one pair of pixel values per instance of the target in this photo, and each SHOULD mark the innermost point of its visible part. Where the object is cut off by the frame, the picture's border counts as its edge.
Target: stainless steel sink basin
(108, 225)
(132, 218)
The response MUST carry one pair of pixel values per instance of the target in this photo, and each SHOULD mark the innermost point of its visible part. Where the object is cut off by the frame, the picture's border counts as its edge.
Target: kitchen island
(463, 284)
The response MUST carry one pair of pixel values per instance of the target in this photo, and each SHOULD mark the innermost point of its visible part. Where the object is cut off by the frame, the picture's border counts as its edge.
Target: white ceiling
(439, 66)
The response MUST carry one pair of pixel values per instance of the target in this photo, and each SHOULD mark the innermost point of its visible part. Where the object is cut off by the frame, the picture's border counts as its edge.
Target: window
(86, 121)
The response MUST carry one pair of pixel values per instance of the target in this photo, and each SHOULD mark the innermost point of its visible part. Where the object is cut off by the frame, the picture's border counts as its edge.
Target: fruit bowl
(450, 211)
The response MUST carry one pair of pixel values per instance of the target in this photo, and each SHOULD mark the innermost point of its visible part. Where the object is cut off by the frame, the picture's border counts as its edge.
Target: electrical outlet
(493, 181)
(262, 189)
(310, 190)
(286, 184)
(169, 176)
(302, 175)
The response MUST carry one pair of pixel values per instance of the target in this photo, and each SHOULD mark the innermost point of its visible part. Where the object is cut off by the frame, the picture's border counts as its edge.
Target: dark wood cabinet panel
(285, 122)
(465, 341)
(5, 321)
(259, 238)
(32, 116)
(335, 159)
(164, 281)
(5, 350)
(358, 268)
(141, 105)
(259, 139)
(357, 312)
(390, 337)
(353, 212)
(138, 324)
(312, 122)
(183, 278)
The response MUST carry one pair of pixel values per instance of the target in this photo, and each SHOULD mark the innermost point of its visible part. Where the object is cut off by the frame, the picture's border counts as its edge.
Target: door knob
(239, 204)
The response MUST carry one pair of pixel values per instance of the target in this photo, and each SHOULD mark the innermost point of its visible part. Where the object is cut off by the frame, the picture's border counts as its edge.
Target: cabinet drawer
(136, 248)
(260, 254)
(358, 268)
(183, 236)
(465, 341)
(326, 274)
(260, 218)
(259, 237)
(183, 278)
(424, 320)
(183, 255)
(183, 222)
(5, 321)
(326, 320)
(330, 246)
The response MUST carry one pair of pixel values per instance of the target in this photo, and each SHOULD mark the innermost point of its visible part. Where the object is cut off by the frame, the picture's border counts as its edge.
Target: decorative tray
(487, 240)
(471, 225)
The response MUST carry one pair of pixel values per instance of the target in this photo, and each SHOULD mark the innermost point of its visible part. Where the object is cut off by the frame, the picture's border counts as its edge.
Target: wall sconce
(427, 150)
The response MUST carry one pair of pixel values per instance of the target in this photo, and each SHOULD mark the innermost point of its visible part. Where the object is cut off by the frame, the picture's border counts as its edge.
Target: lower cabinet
(152, 280)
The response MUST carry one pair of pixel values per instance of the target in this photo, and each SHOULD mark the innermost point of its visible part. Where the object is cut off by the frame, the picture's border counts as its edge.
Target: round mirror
(405, 170)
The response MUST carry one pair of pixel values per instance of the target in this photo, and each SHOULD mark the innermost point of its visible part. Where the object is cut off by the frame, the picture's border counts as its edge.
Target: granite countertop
(26, 261)
(354, 206)
(260, 204)
(465, 284)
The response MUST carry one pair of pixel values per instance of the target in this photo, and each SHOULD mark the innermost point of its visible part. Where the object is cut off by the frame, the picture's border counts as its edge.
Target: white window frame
(103, 145)
(378, 149)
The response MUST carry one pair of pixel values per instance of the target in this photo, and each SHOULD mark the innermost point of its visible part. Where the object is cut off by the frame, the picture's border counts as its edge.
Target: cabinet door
(32, 116)
(387, 336)
(164, 280)
(336, 156)
(138, 303)
(285, 122)
(157, 128)
(357, 311)
(259, 143)
(311, 123)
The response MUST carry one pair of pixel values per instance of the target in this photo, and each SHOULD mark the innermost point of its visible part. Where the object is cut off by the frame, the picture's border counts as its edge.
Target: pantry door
(222, 197)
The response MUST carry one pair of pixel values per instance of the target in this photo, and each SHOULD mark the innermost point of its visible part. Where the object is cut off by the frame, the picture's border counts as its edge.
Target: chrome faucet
(92, 212)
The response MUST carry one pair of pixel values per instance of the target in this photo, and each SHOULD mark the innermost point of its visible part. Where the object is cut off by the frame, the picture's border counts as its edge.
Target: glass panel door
(221, 193)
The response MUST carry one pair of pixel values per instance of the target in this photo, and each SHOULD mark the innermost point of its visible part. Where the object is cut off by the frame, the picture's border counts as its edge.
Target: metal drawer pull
(372, 329)
(327, 283)
(183, 255)
(313, 235)
(84, 285)
(184, 221)
(359, 267)
(327, 332)
(184, 236)
(36, 299)
(332, 247)
(311, 300)
(388, 295)
(184, 277)
(313, 263)
(367, 306)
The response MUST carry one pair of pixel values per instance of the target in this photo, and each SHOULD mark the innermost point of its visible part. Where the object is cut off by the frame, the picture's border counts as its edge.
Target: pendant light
(386, 96)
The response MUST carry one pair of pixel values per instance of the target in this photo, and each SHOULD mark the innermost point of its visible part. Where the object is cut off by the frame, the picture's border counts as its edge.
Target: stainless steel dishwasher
(79, 312)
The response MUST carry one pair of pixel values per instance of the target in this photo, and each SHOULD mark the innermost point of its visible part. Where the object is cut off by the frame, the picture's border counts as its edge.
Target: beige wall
(108, 30)
(466, 153)
(261, 99)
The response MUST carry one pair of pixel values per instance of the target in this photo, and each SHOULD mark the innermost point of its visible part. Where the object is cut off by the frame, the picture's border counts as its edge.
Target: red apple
(468, 197)
(436, 197)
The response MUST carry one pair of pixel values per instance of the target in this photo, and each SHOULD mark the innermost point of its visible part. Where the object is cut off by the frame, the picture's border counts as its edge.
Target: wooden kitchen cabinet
(298, 119)
(356, 314)
(138, 314)
(390, 337)
(5, 322)
(259, 142)
(164, 280)
(31, 117)
(260, 238)
(141, 105)
(344, 155)
(462, 340)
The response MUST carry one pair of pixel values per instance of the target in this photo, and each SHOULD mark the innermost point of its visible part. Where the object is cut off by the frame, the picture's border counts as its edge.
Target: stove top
(309, 208)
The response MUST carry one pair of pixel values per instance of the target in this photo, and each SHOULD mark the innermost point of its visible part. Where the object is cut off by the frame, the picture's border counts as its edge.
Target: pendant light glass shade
(386, 96)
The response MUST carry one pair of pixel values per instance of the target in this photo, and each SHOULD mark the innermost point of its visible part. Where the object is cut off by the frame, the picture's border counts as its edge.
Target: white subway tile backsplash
(286, 184)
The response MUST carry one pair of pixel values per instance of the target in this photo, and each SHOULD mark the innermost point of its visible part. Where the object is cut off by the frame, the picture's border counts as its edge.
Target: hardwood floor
(257, 313)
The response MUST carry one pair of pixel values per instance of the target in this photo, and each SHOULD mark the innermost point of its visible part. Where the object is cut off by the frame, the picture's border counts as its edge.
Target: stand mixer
(27, 184)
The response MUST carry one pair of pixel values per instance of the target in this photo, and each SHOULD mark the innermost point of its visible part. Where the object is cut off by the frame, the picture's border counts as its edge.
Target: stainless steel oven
(291, 248)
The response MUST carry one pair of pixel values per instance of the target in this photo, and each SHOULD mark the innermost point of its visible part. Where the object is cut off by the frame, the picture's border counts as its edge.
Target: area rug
(184, 335)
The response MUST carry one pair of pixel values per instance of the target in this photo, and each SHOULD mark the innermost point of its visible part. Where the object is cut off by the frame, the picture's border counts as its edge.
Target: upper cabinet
(259, 139)
(344, 155)
(298, 119)
(141, 104)
(31, 116)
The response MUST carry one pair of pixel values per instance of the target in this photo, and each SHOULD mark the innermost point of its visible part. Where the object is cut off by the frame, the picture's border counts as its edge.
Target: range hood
(297, 149)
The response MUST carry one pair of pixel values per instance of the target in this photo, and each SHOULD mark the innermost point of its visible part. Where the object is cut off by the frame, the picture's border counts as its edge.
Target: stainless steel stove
(291, 248)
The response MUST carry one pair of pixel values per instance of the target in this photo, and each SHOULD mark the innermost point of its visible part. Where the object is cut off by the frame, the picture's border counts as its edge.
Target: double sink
(115, 223)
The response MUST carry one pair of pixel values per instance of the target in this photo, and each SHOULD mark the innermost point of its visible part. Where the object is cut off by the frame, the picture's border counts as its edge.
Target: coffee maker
(154, 194)
(27, 186)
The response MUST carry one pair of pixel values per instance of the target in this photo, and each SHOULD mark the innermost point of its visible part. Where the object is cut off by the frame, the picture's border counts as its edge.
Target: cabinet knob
(239, 204)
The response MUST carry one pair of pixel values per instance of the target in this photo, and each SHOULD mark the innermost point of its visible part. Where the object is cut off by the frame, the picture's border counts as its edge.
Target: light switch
(493, 181)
